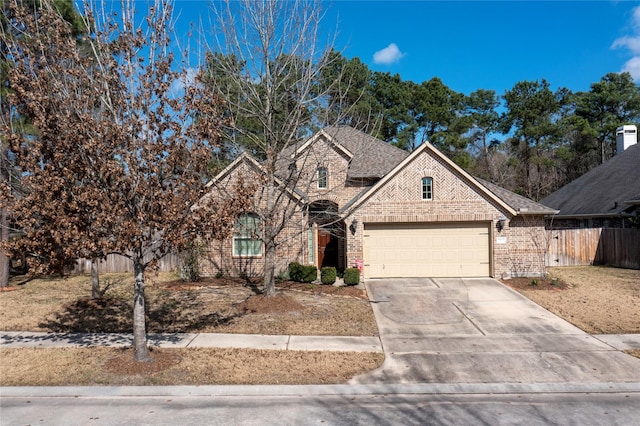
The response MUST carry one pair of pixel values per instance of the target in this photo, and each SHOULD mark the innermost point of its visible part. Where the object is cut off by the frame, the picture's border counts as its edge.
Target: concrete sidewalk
(30, 339)
(23, 339)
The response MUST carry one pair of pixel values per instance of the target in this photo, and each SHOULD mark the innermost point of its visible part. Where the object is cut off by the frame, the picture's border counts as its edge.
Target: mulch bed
(315, 288)
(206, 282)
(536, 283)
(350, 291)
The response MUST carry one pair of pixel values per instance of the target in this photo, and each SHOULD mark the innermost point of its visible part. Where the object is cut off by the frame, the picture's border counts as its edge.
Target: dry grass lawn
(102, 366)
(214, 305)
(209, 306)
(597, 299)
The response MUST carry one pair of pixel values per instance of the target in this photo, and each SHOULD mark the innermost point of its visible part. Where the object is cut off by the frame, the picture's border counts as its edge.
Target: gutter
(526, 211)
(591, 215)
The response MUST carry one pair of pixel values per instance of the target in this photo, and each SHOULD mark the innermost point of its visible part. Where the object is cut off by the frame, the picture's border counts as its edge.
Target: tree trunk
(139, 320)
(269, 269)
(269, 241)
(95, 280)
(4, 259)
(269, 289)
(4, 225)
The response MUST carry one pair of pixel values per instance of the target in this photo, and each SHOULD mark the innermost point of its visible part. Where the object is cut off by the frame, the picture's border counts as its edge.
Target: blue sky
(483, 45)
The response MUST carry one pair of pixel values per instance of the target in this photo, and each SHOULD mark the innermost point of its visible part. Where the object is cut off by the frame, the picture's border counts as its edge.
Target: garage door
(426, 250)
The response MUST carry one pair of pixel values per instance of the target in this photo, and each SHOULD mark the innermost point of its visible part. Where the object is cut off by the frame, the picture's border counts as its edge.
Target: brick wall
(524, 253)
(217, 256)
(400, 200)
(517, 250)
(339, 189)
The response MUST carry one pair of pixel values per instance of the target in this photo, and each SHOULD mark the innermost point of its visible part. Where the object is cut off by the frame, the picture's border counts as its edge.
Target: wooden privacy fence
(119, 263)
(608, 246)
(619, 247)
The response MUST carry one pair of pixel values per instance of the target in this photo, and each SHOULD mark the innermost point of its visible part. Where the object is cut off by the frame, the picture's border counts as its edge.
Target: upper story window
(323, 175)
(427, 188)
(246, 236)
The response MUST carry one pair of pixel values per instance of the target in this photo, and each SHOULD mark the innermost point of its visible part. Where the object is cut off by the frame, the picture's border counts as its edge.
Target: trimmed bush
(295, 271)
(302, 273)
(351, 276)
(309, 273)
(328, 275)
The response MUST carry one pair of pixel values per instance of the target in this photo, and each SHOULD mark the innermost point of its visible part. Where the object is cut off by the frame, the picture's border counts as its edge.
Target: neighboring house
(605, 197)
(357, 200)
(595, 211)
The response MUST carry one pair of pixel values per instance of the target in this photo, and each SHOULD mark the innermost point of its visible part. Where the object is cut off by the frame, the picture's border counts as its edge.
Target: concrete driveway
(453, 330)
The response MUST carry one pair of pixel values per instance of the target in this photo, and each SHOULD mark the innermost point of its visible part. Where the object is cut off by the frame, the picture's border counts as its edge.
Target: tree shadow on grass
(185, 315)
(114, 315)
(102, 315)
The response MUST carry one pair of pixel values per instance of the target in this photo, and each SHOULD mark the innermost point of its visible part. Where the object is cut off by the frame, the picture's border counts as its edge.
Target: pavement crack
(468, 318)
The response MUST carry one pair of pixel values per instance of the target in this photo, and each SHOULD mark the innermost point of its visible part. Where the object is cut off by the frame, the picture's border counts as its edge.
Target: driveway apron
(454, 330)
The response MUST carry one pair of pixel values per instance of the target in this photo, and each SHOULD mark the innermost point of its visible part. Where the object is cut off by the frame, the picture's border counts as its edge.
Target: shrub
(295, 271)
(351, 276)
(309, 273)
(302, 273)
(328, 275)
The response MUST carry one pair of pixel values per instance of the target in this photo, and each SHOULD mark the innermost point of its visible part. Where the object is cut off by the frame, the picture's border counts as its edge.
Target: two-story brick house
(357, 200)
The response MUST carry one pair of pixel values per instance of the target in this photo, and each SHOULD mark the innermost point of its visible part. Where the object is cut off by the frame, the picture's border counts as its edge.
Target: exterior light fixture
(354, 226)
(501, 223)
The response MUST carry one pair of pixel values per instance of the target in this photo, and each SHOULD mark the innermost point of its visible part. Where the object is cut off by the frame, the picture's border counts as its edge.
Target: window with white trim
(427, 188)
(323, 178)
(246, 236)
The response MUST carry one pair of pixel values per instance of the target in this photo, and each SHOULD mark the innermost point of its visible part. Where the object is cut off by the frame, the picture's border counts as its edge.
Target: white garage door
(426, 250)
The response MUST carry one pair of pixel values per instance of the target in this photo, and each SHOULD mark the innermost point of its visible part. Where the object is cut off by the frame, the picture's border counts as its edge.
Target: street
(618, 408)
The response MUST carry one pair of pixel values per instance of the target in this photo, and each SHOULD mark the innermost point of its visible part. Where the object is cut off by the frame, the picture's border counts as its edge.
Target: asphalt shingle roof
(515, 201)
(603, 190)
(372, 158)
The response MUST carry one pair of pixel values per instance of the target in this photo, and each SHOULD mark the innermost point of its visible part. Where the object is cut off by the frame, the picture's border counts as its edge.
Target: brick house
(357, 200)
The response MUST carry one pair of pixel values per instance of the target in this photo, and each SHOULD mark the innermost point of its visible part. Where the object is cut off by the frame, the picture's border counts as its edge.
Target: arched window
(322, 178)
(427, 188)
(246, 236)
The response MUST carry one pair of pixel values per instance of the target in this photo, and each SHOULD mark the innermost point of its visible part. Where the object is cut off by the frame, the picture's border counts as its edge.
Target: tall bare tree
(271, 55)
(4, 224)
(120, 154)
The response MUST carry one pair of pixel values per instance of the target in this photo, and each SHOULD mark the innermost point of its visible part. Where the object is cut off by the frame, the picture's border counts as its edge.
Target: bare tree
(120, 154)
(266, 62)
(4, 229)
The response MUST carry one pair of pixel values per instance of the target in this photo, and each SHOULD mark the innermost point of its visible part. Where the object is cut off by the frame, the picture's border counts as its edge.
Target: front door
(327, 248)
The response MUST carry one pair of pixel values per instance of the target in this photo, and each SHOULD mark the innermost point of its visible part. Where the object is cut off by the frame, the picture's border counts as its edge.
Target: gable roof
(245, 157)
(511, 202)
(426, 146)
(372, 157)
(368, 157)
(611, 189)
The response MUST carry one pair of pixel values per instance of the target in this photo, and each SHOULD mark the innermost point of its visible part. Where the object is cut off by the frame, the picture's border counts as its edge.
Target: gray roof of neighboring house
(517, 202)
(372, 157)
(603, 190)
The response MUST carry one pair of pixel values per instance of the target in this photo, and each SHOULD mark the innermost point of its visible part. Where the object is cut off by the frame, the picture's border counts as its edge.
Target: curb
(316, 390)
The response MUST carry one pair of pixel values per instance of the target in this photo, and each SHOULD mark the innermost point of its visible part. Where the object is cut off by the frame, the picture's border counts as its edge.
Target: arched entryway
(328, 231)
